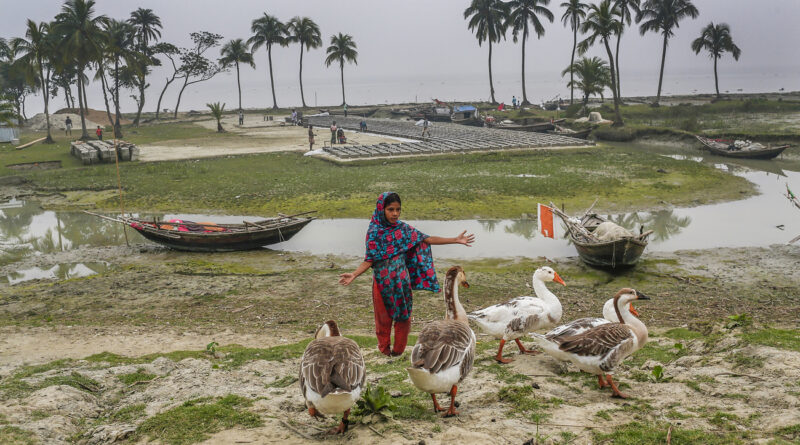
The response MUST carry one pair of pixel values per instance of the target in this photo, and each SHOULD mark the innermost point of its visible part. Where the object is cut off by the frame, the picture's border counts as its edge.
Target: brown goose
(445, 349)
(599, 349)
(332, 374)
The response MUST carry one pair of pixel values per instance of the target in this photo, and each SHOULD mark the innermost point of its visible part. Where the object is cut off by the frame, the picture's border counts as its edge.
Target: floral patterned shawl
(401, 261)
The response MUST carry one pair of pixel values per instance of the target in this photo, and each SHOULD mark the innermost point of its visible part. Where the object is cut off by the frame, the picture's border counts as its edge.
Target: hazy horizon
(421, 50)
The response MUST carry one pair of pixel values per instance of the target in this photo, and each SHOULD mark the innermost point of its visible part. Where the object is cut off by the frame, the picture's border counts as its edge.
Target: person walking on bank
(99, 133)
(345, 110)
(401, 260)
(310, 137)
(68, 127)
(425, 128)
(333, 133)
(241, 117)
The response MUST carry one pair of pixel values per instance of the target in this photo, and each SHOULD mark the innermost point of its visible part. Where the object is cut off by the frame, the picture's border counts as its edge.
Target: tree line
(54, 56)
(601, 23)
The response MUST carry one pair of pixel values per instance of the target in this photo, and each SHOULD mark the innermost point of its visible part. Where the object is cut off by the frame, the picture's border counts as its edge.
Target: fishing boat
(539, 127)
(212, 237)
(741, 149)
(618, 253)
(466, 115)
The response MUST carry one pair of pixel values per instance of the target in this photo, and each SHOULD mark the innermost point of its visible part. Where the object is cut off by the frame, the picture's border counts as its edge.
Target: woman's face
(392, 212)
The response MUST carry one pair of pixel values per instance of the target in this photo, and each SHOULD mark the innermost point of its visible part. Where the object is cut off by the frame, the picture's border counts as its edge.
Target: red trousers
(383, 326)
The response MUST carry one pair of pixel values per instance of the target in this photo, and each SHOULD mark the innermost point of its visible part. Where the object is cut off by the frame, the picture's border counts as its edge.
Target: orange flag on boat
(546, 221)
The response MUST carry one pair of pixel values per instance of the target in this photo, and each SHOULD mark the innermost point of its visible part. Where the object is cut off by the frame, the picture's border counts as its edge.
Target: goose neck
(455, 311)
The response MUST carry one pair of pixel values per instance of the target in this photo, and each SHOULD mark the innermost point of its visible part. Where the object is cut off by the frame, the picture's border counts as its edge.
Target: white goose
(519, 316)
(599, 349)
(445, 349)
(332, 374)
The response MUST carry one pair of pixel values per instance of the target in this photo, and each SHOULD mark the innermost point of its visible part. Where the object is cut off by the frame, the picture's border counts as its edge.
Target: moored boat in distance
(741, 149)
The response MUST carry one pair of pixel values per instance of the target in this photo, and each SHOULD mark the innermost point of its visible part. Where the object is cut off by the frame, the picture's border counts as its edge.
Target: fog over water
(418, 50)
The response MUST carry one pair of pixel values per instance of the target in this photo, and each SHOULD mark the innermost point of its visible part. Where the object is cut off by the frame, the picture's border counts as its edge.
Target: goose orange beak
(558, 279)
(633, 311)
(465, 284)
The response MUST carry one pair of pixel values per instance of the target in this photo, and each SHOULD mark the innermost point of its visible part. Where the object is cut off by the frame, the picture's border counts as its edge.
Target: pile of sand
(94, 115)
(39, 122)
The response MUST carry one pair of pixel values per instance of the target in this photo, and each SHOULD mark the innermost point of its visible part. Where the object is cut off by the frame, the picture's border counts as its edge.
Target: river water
(761, 220)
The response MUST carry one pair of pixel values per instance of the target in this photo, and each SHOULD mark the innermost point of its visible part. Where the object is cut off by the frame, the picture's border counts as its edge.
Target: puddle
(59, 271)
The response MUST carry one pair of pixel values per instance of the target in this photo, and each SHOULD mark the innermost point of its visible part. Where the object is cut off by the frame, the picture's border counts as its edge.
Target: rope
(119, 187)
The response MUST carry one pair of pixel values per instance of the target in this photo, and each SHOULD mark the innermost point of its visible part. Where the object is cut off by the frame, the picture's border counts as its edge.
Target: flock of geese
(332, 371)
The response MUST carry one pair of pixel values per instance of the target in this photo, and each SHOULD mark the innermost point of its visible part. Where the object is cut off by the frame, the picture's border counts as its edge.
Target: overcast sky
(400, 42)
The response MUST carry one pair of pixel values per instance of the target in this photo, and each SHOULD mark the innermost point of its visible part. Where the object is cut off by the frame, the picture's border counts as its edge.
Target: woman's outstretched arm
(347, 278)
(463, 238)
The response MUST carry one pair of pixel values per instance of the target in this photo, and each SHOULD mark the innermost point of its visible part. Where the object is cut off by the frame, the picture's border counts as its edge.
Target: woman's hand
(346, 278)
(465, 239)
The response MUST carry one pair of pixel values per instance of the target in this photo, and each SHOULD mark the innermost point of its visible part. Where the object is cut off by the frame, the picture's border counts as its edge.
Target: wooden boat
(466, 115)
(619, 253)
(725, 147)
(211, 237)
(561, 131)
(540, 127)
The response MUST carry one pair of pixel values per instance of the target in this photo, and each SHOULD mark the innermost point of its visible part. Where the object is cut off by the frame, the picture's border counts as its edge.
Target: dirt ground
(728, 383)
(257, 136)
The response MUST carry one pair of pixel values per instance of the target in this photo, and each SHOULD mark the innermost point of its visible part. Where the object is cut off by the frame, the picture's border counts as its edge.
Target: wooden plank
(20, 147)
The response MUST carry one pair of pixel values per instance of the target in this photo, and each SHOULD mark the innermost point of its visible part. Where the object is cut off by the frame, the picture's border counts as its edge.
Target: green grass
(742, 360)
(683, 334)
(777, 338)
(644, 433)
(791, 432)
(282, 382)
(523, 401)
(139, 376)
(15, 387)
(129, 413)
(11, 435)
(655, 352)
(196, 420)
(447, 187)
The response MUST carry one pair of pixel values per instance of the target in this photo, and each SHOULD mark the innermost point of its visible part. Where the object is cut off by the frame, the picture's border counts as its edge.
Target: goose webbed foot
(615, 391)
(523, 350)
(452, 410)
(499, 356)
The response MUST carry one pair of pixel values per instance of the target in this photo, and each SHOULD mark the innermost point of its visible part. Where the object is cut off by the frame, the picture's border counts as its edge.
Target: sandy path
(255, 136)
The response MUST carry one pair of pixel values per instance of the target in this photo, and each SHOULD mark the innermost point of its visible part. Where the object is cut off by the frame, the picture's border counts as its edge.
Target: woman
(401, 260)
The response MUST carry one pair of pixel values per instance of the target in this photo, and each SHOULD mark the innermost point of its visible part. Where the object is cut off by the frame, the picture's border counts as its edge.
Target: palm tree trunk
(239, 84)
(491, 85)
(611, 65)
(302, 98)
(161, 96)
(616, 61)
(716, 80)
(84, 134)
(341, 68)
(46, 88)
(572, 62)
(142, 85)
(105, 96)
(85, 99)
(271, 78)
(186, 81)
(117, 126)
(524, 93)
(661, 73)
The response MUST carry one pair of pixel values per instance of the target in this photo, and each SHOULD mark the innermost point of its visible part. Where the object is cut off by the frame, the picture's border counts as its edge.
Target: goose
(332, 374)
(445, 349)
(599, 349)
(519, 316)
(575, 327)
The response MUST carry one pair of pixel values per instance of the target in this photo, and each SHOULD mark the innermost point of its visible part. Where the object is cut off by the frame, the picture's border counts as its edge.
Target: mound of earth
(57, 122)
(94, 115)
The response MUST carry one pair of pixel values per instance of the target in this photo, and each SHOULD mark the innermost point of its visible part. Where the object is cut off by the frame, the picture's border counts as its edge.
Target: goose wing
(573, 328)
(600, 341)
(330, 364)
(442, 345)
(514, 308)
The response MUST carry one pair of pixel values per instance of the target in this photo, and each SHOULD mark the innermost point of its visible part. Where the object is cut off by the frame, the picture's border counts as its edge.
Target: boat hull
(613, 254)
(221, 241)
(766, 153)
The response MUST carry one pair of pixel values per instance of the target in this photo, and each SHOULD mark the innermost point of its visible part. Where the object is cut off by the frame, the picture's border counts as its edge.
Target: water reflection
(59, 271)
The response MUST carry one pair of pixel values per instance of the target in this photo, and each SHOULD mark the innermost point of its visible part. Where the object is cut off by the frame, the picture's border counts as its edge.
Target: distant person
(501, 107)
(241, 117)
(294, 117)
(345, 110)
(333, 133)
(99, 133)
(426, 127)
(310, 137)
(340, 136)
(514, 102)
(363, 125)
(68, 127)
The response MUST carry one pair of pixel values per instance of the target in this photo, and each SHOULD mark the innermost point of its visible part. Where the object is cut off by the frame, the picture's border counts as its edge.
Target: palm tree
(35, 53)
(5, 50)
(601, 23)
(664, 16)
(120, 47)
(146, 26)
(489, 20)
(716, 39)
(522, 13)
(216, 111)
(624, 9)
(235, 52)
(342, 49)
(7, 113)
(81, 42)
(267, 31)
(304, 31)
(593, 77)
(574, 14)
